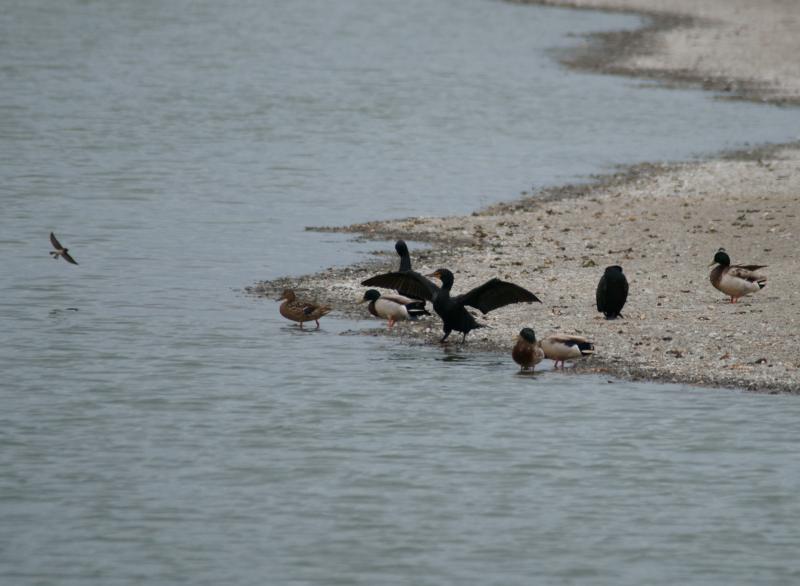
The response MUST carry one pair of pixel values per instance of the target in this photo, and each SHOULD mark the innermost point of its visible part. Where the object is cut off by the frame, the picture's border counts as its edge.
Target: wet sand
(662, 223)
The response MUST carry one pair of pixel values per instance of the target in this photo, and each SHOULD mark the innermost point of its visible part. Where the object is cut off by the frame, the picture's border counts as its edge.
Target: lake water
(173, 430)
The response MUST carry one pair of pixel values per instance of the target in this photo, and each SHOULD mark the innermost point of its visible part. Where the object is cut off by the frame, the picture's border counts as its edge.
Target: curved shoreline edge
(557, 242)
(737, 48)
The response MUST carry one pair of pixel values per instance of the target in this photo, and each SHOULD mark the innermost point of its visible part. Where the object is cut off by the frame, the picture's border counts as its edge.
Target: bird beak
(713, 263)
(363, 301)
(279, 298)
(434, 274)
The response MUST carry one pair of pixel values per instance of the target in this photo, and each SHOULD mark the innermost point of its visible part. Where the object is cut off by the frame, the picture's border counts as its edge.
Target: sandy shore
(742, 48)
(662, 223)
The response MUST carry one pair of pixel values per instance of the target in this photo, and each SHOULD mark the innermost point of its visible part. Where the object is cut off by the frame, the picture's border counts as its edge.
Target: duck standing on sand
(527, 352)
(300, 311)
(612, 292)
(491, 295)
(735, 280)
(393, 307)
(561, 347)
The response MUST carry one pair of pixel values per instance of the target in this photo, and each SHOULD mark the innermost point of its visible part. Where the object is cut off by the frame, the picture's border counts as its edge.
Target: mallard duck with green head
(735, 280)
(298, 310)
(561, 347)
(527, 352)
(393, 308)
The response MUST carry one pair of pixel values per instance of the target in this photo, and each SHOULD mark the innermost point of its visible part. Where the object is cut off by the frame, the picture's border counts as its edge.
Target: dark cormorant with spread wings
(452, 309)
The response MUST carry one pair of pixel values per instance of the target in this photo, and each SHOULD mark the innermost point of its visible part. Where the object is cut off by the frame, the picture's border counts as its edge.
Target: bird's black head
(445, 276)
(371, 295)
(722, 258)
(613, 269)
(401, 248)
(528, 335)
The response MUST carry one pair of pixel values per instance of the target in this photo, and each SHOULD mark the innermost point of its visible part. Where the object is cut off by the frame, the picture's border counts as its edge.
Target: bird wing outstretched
(495, 293)
(410, 283)
(54, 241)
(68, 257)
(61, 250)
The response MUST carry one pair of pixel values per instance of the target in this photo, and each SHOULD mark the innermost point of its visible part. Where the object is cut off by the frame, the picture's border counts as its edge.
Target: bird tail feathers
(416, 309)
(415, 313)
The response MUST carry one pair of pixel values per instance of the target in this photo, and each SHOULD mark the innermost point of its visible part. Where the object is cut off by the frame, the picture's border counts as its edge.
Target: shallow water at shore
(432, 466)
(160, 426)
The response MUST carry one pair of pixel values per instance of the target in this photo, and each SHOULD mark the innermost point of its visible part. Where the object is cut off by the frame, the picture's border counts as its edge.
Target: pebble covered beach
(661, 222)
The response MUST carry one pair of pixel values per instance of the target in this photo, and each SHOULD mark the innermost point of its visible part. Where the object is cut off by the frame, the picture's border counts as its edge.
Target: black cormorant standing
(612, 292)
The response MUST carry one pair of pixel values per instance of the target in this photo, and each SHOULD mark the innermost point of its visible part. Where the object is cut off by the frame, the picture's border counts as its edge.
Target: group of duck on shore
(413, 290)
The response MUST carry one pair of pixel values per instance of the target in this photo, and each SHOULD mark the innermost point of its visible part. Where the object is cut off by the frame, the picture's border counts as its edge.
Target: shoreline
(740, 49)
(557, 242)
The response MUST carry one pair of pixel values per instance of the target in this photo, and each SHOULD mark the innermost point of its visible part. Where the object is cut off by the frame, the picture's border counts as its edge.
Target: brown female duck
(295, 309)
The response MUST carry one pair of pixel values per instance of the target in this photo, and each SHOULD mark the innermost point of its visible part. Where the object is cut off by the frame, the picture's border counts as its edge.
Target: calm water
(172, 430)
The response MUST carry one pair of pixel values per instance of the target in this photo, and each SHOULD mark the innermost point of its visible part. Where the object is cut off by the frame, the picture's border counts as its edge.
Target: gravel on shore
(662, 223)
(741, 48)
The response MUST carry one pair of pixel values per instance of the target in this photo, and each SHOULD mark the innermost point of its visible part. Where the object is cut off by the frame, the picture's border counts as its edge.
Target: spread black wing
(495, 293)
(54, 241)
(68, 257)
(409, 283)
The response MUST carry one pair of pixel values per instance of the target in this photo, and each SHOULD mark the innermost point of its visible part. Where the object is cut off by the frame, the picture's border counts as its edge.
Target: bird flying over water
(60, 250)
(491, 295)
(735, 280)
(527, 352)
(612, 292)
